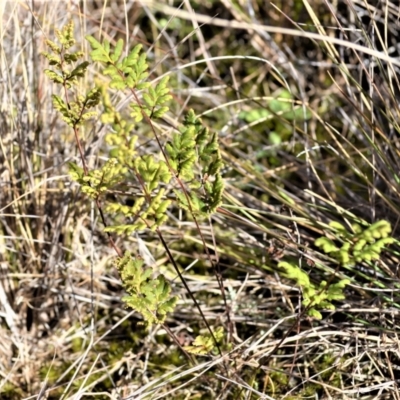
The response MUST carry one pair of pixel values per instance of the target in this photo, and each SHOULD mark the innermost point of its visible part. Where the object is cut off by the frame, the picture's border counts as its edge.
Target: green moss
(10, 392)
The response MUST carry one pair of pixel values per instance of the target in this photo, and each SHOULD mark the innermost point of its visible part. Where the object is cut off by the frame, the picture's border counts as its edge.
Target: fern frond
(151, 297)
(314, 298)
(66, 35)
(205, 344)
(363, 244)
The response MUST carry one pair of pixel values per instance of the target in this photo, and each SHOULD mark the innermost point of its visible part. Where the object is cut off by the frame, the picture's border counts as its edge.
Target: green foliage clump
(205, 344)
(131, 72)
(359, 244)
(190, 164)
(314, 297)
(10, 391)
(151, 297)
(281, 105)
(279, 115)
(74, 112)
(192, 144)
(97, 181)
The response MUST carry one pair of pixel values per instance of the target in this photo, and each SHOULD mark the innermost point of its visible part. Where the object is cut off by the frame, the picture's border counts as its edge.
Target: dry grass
(64, 332)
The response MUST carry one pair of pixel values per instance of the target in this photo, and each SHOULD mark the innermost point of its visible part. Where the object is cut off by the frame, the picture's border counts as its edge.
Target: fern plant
(190, 164)
(314, 297)
(358, 245)
(150, 296)
(204, 344)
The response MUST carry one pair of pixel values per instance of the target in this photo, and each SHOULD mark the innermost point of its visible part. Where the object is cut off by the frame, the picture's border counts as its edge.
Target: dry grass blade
(304, 96)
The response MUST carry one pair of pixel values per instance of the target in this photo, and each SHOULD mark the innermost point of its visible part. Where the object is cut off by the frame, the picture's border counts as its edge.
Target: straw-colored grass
(304, 96)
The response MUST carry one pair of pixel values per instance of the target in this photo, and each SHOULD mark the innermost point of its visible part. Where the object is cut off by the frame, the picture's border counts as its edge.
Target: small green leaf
(100, 52)
(118, 50)
(327, 244)
(56, 78)
(80, 70)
